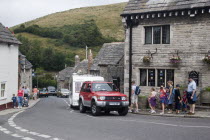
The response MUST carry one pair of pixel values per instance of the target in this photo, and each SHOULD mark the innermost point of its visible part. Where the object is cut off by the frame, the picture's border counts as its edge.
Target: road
(52, 119)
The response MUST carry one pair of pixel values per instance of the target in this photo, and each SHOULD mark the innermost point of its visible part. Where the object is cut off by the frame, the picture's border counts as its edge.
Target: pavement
(52, 119)
(198, 114)
(12, 110)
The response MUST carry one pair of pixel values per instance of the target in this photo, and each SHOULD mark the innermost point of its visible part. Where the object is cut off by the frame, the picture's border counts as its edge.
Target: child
(163, 99)
(25, 102)
(14, 101)
(152, 100)
(184, 102)
(177, 99)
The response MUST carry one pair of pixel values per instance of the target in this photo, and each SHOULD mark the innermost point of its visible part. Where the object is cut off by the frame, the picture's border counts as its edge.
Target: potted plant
(175, 59)
(207, 59)
(146, 59)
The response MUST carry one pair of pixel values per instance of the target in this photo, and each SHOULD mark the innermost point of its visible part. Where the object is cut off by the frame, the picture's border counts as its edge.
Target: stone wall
(189, 35)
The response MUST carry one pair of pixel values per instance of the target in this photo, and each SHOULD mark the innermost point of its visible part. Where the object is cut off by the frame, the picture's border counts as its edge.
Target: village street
(51, 118)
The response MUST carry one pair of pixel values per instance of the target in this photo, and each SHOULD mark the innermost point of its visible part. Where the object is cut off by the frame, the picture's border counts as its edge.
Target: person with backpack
(170, 97)
(134, 97)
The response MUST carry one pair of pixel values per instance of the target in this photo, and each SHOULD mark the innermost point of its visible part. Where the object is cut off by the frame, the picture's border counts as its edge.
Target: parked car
(63, 93)
(102, 96)
(51, 90)
(43, 93)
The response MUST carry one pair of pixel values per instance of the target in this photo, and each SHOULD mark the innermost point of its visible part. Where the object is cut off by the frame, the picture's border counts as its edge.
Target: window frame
(156, 76)
(161, 34)
(3, 97)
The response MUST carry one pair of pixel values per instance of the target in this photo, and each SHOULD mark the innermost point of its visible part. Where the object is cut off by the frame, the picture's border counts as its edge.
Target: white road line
(12, 124)
(66, 102)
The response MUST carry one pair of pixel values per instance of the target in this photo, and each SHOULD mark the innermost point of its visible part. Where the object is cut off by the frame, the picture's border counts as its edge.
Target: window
(157, 34)
(148, 77)
(143, 78)
(161, 78)
(3, 85)
(83, 87)
(148, 35)
(151, 77)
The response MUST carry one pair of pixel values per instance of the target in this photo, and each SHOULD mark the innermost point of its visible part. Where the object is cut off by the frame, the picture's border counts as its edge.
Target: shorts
(134, 99)
(35, 95)
(191, 101)
(184, 105)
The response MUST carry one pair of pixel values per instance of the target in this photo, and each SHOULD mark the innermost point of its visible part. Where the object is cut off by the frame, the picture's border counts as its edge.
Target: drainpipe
(130, 60)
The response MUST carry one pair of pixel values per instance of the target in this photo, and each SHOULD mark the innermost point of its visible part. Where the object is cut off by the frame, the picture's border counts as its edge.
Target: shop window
(161, 78)
(151, 77)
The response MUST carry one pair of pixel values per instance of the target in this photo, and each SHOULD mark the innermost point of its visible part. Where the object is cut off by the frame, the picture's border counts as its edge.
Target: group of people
(22, 97)
(169, 97)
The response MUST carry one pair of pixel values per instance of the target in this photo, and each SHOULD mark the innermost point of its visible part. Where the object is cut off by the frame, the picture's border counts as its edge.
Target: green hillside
(67, 33)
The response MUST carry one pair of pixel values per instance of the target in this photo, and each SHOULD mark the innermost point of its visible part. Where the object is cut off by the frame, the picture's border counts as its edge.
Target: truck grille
(113, 98)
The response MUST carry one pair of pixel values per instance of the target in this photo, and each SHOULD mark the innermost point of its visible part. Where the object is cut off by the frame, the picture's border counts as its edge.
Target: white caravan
(76, 82)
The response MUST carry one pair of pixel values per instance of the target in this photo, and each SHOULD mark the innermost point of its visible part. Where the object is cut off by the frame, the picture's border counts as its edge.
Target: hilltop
(67, 32)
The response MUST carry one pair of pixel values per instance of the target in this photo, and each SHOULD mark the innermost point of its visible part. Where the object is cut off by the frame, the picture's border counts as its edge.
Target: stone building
(166, 40)
(64, 75)
(24, 72)
(109, 63)
(8, 66)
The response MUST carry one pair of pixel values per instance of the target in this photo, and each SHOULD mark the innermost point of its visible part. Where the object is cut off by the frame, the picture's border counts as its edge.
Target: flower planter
(206, 60)
(146, 59)
(175, 61)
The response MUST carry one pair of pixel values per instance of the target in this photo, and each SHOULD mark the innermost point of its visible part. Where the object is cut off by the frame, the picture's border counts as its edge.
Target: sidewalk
(9, 111)
(198, 114)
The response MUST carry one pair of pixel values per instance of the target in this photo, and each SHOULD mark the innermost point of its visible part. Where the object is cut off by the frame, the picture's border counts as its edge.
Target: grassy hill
(107, 19)
(107, 27)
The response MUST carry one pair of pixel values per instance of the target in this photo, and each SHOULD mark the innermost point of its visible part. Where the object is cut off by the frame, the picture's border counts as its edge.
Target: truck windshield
(104, 87)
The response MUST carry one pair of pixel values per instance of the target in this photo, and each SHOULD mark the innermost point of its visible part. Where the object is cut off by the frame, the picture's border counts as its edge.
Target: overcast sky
(13, 12)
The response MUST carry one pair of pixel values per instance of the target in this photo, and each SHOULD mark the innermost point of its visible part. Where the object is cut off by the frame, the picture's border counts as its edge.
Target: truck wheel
(82, 108)
(95, 110)
(107, 112)
(123, 111)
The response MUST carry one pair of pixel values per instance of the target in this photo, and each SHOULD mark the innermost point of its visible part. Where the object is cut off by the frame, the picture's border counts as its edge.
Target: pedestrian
(163, 99)
(177, 98)
(35, 91)
(134, 98)
(14, 101)
(20, 98)
(191, 95)
(152, 100)
(27, 93)
(170, 97)
(184, 102)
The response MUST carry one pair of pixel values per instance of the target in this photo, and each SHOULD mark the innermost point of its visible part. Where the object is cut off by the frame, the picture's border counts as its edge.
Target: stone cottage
(8, 66)
(64, 76)
(166, 40)
(24, 72)
(109, 63)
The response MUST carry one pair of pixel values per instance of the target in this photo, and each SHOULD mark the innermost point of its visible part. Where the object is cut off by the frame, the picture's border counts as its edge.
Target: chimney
(90, 61)
(77, 60)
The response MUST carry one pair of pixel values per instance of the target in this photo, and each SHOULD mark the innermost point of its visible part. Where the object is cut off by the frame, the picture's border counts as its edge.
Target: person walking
(134, 99)
(35, 91)
(27, 93)
(163, 99)
(177, 98)
(191, 95)
(170, 97)
(20, 97)
(152, 100)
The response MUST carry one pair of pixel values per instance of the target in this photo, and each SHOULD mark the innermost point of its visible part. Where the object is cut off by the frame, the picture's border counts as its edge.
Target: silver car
(63, 93)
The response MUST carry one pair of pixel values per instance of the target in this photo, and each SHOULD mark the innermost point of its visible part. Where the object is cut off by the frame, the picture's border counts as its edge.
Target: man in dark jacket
(177, 99)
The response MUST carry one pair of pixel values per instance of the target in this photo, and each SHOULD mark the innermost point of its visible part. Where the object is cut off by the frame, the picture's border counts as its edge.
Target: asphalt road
(52, 119)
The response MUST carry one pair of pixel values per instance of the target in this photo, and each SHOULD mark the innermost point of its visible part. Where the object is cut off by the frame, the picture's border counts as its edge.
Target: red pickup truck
(102, 96)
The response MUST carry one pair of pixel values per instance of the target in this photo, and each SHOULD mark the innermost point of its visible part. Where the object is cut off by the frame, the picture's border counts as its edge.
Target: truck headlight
(102, 98)
(124, 98)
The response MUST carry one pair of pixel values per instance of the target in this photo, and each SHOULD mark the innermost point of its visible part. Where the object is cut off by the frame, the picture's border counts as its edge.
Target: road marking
(12, 124)
(66, 102)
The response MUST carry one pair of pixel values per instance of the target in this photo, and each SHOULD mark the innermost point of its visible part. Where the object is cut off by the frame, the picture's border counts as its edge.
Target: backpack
(137, 90)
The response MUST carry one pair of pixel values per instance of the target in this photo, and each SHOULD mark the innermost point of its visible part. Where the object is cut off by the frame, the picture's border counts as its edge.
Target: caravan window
(77, 87)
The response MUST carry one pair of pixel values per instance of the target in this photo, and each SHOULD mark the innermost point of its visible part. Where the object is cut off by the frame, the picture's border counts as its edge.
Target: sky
(14, 12)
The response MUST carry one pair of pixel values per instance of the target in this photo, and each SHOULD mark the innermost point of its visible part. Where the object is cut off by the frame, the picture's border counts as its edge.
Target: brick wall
(189, 35)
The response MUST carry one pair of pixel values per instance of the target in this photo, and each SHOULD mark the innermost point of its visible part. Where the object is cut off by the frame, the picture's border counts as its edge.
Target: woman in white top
(152, 100)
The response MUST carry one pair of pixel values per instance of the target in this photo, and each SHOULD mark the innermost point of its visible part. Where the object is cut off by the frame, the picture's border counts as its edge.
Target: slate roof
(146, 6)
(110, 54)
(83, 65)
(28, 64)
(65, 73)
(7, 37)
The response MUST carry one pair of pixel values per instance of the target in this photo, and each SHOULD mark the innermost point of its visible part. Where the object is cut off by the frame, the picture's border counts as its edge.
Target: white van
(76, 84)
